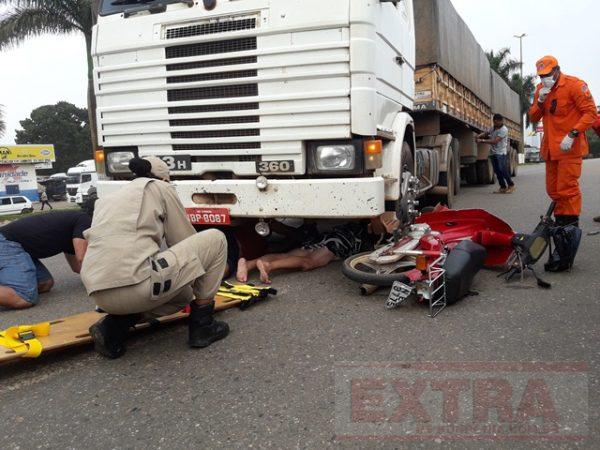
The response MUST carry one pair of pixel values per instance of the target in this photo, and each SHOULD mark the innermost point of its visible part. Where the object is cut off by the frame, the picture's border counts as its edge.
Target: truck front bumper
(314, 198)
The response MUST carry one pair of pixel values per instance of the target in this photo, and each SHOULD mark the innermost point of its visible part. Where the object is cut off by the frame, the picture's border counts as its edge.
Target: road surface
(281, 378)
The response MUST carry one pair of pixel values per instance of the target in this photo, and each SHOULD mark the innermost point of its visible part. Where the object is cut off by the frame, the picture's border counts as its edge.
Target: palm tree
(502, 63)
(525, 87)
(27, 18)
(509, 69)
(2, 122)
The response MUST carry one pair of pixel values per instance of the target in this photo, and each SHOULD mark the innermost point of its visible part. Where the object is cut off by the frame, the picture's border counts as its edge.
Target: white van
(14, 204)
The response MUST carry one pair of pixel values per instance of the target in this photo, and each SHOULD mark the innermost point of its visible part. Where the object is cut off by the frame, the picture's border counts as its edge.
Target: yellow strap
(234, 295)
(244, 288)
(243, 298)
(16, 338)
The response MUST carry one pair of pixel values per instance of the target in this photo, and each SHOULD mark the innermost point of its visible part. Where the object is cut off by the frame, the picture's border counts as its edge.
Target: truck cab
(80, 179)
(261, 108)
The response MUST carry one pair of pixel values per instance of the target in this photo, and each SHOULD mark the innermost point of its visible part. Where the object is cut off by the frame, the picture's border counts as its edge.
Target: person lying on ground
(24, 242)
(244, 243)
(340, 243)
(130, 226)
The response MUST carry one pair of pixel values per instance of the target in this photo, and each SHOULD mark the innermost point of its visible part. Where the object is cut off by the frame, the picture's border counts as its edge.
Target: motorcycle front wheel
(361, 269)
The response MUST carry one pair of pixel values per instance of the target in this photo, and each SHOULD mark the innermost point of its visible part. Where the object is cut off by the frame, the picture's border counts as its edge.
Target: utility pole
(520, 38)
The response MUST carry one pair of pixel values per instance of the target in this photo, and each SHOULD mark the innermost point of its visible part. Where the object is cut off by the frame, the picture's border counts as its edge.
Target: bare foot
(242, 271)
(264, 268)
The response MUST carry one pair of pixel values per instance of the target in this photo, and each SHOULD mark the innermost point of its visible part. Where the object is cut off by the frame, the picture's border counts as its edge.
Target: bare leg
(309, 260)
(10, 299)
(245, 266)
(242, 271)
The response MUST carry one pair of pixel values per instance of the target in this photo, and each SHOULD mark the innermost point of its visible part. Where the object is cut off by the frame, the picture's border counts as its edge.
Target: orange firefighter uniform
(569, 106)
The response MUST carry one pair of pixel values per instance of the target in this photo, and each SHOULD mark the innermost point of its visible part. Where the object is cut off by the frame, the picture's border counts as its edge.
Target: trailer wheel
(455, 148)
(471, 174)
(485, 172)
(448, 179)
(514, 162)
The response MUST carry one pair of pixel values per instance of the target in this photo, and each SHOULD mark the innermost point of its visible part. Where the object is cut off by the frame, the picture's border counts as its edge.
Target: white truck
(80, 179)
(287, 108)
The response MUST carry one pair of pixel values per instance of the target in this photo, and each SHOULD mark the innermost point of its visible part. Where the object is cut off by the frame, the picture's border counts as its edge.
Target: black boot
(203, 328)
(110, 332)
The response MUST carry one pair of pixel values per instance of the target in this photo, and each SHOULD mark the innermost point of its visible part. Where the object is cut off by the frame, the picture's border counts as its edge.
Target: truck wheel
(514, 160)
(455, 146)
(471, 174)
(407, 163)
(448, 179)
(485, 172)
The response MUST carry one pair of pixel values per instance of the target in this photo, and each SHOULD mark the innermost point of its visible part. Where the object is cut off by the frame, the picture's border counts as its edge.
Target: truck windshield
(118, 6)
(73, 179)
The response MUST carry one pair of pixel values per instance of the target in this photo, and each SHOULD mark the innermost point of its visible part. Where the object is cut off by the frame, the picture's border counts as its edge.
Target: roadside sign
(24, 154)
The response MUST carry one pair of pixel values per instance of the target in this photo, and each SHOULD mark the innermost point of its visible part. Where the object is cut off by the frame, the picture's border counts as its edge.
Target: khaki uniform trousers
(191, 269)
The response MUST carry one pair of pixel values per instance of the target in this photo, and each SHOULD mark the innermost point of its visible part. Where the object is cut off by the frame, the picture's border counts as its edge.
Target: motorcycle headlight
(335, 157)
(118, 162)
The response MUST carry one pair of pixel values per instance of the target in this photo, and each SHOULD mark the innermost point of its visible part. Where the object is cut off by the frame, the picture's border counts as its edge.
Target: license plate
(275, 166)
(177, 163)
(209, 216)
(398, 294)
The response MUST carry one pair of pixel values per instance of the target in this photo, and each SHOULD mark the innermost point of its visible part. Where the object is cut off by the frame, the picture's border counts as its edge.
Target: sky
(49, 69)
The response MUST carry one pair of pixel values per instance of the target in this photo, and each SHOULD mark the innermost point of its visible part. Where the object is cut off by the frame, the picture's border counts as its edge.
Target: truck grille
(211, 48)
(214, 63)
(227, 26)
(230, 146)
(214, 134)
(213, 108)
(225, 94)
(239, 90)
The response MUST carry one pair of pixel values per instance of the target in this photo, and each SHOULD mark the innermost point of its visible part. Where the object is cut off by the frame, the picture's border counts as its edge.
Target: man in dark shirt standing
(25, 241)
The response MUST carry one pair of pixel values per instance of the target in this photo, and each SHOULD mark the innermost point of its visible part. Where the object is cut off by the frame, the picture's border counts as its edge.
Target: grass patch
(11, 217)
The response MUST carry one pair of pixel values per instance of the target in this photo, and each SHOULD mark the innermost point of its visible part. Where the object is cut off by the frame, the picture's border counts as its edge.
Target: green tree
(509, 69)
(503, 64)
(2, 122)
(525, 87)
(64, 125)
(27, 18)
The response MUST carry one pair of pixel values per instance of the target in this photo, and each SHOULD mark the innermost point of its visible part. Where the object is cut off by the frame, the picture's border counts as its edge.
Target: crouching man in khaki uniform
(128, 276)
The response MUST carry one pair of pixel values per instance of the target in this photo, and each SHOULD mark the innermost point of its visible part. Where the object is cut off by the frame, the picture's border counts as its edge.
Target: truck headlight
(118, 162)
(335, 157)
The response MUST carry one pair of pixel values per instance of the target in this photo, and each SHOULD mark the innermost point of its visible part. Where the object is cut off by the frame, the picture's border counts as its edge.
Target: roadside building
(18, 165)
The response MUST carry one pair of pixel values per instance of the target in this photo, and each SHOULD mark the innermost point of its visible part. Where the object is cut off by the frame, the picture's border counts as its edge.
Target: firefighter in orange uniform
(567, 108)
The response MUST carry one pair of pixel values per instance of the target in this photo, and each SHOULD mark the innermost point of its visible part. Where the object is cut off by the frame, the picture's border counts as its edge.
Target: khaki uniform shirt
(128, 228)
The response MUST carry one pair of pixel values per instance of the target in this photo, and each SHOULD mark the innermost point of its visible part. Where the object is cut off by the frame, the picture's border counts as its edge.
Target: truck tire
(485, 172)
(448, 179)
(471, 174)
(407, 159)
(514, 162)
(455, 147)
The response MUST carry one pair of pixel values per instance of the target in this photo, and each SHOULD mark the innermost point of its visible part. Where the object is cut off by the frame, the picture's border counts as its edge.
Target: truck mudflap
(330, 198)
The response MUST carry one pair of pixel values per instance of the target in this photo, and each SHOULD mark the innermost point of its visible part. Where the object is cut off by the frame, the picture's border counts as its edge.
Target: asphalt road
(281, 378)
